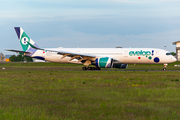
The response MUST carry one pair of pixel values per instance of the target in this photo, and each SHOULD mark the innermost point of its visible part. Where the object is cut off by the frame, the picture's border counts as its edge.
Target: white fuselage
(123, 55)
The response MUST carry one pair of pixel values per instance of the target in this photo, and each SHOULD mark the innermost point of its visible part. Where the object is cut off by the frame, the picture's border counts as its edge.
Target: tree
(12, 58)
(29, 59)
(173, 53)
(20, 58)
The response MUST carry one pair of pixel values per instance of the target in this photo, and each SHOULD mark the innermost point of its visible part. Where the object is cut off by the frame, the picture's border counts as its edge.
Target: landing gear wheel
(89, 68)
(98, 68)
(84, 68)
(93, 68)
(164, 69)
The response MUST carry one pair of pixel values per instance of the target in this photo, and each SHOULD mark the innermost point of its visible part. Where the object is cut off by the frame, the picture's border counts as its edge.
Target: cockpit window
(168, 53)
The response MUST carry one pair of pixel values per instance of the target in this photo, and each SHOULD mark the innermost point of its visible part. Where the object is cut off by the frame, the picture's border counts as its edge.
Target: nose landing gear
(165, 66)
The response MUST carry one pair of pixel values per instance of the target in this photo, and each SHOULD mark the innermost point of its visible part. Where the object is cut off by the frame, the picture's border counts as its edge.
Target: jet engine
(120, 66)
(105, 62)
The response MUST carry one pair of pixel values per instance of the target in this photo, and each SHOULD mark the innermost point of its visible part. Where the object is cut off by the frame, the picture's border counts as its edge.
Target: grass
(63, 91)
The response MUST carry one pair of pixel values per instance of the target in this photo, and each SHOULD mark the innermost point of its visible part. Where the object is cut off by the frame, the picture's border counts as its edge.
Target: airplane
(98, 57)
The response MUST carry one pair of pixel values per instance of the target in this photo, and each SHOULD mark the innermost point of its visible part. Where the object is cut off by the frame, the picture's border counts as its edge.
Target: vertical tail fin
(24, 40)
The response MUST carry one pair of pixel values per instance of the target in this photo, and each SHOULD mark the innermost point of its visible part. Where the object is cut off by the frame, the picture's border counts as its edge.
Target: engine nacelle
(120, 66)
(105, 62)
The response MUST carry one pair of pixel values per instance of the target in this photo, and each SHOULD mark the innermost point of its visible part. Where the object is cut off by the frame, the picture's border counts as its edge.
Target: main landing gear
(91, 68)
(165, 66)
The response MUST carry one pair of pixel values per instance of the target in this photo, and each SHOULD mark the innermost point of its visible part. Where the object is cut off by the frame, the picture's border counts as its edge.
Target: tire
(98, 68)
(89, 68)
(84, 68)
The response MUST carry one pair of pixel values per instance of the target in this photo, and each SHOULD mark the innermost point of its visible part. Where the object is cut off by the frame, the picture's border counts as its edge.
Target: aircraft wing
(70, 54)
(18, 51)
(79, 56)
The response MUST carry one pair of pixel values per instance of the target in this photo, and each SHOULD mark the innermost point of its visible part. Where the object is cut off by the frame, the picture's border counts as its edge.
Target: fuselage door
(126, 53)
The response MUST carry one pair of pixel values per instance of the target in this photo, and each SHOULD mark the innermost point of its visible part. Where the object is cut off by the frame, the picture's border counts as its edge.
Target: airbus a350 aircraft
(99, 57)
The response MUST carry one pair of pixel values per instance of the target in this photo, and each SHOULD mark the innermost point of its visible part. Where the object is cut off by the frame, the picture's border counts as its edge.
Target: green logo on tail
(23, 40)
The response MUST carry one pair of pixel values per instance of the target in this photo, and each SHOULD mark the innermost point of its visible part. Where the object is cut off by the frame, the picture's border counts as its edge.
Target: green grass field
(44, 91)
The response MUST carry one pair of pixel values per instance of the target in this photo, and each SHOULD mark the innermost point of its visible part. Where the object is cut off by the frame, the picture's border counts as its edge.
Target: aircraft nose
(174, 59)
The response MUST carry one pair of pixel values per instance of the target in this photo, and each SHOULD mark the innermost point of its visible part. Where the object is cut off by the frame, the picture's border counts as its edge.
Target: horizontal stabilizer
(17, 51)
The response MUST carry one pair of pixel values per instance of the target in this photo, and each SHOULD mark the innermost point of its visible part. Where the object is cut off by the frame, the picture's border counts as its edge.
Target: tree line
(20, 58)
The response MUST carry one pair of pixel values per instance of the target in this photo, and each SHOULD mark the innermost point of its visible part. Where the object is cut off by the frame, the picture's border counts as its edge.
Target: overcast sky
(91, 23)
